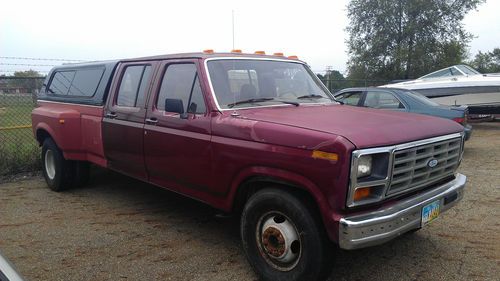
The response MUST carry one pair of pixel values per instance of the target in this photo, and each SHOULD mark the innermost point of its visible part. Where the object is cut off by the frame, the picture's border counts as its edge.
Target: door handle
(111, 115)
(152, 121)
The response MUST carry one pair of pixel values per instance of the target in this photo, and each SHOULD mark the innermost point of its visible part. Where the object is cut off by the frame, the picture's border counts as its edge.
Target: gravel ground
(117, 228)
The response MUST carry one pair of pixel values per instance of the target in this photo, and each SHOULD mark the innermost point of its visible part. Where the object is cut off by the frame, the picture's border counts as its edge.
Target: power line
(44, 59)
(27, 64)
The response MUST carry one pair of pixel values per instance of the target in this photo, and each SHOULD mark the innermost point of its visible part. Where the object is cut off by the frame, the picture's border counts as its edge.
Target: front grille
(410, 169)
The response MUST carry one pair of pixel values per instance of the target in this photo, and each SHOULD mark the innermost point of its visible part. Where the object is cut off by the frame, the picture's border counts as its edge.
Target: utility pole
(328, 71)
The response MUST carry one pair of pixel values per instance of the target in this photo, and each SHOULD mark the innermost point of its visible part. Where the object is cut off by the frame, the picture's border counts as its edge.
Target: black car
(403, 100)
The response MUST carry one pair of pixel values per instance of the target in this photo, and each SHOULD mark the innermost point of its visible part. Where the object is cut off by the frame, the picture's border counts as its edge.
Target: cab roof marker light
(236, 51)
(293, 57)
(208, 51)
(279, 54)
(260, 53)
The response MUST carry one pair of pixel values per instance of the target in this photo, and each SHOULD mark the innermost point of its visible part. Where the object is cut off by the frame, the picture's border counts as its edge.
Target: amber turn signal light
(325, 155)
(362, 193)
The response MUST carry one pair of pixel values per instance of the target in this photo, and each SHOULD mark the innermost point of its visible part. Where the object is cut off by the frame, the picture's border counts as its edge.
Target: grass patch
(19, 152)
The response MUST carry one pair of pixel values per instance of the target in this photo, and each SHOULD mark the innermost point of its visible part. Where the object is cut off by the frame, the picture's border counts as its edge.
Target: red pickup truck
(257, 135)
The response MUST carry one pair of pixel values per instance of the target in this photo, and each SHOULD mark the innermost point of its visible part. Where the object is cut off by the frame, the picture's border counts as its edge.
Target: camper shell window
(78, 83)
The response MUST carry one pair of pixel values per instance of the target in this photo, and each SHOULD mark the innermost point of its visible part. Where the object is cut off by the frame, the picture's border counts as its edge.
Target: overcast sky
(97, 30)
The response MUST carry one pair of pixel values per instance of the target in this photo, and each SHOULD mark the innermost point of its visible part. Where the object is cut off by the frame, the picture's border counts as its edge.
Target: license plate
(430, 212)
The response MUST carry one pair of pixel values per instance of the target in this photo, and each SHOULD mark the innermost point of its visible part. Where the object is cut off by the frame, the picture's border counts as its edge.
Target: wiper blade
(249, 101)
(312, 96)
(261, 100)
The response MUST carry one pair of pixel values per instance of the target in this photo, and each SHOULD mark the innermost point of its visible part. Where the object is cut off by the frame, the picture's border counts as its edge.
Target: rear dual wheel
(61, 174)
(282, 237)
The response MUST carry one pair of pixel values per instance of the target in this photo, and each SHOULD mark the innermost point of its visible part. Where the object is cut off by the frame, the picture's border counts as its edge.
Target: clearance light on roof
(260, 52)
(293, 57)
(236, 51)
(208, 51)
(278, 54)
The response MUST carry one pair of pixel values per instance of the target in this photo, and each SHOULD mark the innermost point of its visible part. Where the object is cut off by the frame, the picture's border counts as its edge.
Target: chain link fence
(19, 151)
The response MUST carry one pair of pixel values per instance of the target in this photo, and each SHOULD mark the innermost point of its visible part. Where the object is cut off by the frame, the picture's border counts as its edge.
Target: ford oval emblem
(432, 163)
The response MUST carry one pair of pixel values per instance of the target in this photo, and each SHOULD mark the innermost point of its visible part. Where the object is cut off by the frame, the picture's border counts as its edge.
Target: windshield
(421, 98)
(447, 72)
(240, 83)
(467, 70)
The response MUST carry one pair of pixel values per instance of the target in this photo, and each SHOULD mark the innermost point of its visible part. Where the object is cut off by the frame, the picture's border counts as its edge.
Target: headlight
(364, 166)
(369, 175)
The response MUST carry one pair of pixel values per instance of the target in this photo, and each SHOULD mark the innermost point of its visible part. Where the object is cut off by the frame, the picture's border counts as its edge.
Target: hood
(364, 127)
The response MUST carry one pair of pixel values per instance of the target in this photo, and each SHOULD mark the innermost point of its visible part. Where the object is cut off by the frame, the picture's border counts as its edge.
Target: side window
(180, 83)
(133, 85)
(61, 82)
(351, 98)
(85, 82)
(382, 100)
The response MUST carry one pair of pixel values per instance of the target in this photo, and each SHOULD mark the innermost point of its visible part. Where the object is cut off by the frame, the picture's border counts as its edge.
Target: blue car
(403, 100)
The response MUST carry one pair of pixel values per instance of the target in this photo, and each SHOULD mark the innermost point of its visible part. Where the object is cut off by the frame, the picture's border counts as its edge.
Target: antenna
(232, 14)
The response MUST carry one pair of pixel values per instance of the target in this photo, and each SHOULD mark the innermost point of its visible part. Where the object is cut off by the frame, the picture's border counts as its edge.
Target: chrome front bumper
(382, 225)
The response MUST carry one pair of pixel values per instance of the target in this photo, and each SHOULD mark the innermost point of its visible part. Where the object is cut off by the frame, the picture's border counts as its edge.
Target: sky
(100, 30)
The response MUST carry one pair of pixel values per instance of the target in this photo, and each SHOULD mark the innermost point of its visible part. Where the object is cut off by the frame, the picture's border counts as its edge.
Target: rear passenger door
(123, 124)
(177, 131)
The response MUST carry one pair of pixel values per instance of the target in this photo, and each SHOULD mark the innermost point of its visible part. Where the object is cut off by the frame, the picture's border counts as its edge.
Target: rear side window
(382, 100)
(133, 86)
(85, 82)
(78, 83)
(180, 82)
(61, 82)
(239, 79)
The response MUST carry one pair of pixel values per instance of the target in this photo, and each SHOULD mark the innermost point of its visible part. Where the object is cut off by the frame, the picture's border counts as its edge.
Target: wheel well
(254, 184)
(41, 135)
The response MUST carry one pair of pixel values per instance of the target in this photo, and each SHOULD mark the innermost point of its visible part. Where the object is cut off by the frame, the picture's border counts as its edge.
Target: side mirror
(174, 105)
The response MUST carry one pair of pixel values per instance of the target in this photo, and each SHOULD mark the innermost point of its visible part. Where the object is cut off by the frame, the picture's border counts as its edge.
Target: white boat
(459, 85)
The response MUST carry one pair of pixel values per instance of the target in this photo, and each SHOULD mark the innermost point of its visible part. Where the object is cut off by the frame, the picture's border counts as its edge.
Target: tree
(488, 62)
(333, 80)
(32, 82)
(396, 39)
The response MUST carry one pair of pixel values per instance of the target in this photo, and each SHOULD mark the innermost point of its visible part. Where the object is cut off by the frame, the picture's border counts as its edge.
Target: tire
(58, 172)
(81, 173)
(283, 239)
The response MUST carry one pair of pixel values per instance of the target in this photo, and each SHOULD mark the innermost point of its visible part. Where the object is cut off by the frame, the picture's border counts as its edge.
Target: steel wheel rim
(50, 164)
(278, 241)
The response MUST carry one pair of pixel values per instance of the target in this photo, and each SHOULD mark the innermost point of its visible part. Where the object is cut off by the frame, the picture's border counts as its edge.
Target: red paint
(209, 156)
(79, 137)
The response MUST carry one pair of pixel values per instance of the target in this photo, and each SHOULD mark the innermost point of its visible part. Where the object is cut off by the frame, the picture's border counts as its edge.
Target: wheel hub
(274, 242)
(279, 241)
(50, 164)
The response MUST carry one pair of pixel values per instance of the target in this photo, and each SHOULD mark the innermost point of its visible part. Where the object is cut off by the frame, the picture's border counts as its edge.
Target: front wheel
(282, 238)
